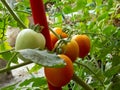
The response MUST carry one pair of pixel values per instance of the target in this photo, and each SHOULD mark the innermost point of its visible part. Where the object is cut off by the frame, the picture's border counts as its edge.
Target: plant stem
(13, 13)
(58, 37)
(15, 66)
(81, 82)
(6, 51)
(11, 59)
(91, 71)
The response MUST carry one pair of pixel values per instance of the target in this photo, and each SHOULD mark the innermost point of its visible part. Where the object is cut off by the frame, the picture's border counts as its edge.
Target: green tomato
(29, 39)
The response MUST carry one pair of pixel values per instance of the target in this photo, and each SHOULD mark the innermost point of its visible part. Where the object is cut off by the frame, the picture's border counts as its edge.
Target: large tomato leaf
(42, 57)
(112, 71)
(35, 82)
(92, 69)
(35, 68)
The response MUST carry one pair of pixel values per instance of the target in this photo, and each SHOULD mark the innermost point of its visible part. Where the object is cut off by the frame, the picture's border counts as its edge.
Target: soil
(19, 75)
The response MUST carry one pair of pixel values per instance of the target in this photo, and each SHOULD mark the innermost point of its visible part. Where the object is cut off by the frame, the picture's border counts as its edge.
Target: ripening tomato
(71, 49)
(59, 77)
(84, 44)
(29, 39)
(59, 32)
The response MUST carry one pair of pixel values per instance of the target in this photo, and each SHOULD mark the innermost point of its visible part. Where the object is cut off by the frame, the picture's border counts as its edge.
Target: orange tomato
(84, 44)
(59, 32)
(59, 77)
(71, 49)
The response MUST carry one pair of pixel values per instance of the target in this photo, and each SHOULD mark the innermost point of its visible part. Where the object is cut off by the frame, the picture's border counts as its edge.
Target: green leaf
(89, 1)
(35, 68)
(110, 3)
(92, 70)
(1, 6)
(42, 57)
(8, 55)
(80, 4)
(67, 9)
(108, 30)
(98, 2)
(97, 73)
(115, 60)
(36, 82)
(11, 87)
(114, 85)
(103, 16)
(112, 71)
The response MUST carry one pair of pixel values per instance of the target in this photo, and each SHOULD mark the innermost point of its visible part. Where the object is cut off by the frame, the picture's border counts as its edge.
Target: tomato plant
(97, 68)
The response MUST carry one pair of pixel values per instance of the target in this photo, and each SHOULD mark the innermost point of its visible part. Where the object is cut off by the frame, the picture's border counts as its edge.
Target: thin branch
(91, 72)
(11, 59)
(15, 66)
(81, 82)
(13, 13)
(6, 51)
(58, 37)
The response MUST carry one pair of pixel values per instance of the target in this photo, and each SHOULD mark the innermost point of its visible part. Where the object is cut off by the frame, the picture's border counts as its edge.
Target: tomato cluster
(77, 46)
(69, 50)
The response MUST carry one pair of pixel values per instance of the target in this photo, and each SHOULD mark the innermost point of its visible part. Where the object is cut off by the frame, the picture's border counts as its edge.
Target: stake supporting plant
(39, 17)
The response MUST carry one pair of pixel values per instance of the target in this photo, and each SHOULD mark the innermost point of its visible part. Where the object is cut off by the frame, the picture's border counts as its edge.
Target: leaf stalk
(13, 13)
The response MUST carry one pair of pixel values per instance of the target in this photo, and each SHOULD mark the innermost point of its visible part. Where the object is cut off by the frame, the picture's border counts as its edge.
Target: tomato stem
(15, 66)
(13, 13)
(37, 28)
(60, 43)
(58, 37)
(11, 59)
(6, 51)
(81, 82)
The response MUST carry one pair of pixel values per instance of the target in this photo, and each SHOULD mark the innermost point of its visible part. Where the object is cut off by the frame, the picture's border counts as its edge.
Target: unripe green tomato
(29, 39)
